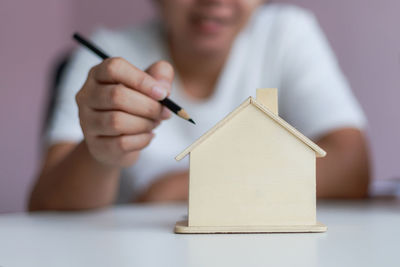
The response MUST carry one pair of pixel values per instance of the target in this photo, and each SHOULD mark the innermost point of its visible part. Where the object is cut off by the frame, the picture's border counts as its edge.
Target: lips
(208, 24)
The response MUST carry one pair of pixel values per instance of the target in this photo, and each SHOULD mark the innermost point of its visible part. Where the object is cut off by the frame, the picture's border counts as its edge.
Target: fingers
(116, 123)
(126, 143)
(119, 108)
(118, 70)
(163, 72)
(120, 98)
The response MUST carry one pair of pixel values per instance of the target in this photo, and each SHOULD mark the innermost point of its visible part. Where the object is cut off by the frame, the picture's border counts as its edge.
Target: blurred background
(35, 34)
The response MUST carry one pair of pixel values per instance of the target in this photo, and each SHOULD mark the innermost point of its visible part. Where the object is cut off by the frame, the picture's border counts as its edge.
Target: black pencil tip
(192, 121)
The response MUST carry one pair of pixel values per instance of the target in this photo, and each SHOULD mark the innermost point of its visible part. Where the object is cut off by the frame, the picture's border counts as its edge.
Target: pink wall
(32, 33)
(29, 39)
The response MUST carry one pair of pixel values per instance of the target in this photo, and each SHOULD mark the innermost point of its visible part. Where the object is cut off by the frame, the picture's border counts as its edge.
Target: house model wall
(252, 172)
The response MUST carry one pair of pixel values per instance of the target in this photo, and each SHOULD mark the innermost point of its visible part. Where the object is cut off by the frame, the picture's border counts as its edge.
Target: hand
(173, 186)
(119, 108)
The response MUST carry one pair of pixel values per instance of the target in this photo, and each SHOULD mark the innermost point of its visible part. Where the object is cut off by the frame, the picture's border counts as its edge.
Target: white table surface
(359, 234)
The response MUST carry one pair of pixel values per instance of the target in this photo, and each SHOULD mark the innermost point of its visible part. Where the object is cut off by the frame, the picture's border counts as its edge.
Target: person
(116, 143)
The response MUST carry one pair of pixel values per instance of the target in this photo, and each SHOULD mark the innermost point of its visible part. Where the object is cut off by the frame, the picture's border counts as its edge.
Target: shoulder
(128, 36)
(283, 19)
(282, 28)
(283, 13)
(138, 44)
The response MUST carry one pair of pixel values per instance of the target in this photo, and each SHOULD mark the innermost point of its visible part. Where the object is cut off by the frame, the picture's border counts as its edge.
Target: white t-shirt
(281, 47)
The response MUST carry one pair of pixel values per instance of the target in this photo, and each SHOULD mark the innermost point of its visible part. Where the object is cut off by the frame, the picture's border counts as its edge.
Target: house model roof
(251, 101)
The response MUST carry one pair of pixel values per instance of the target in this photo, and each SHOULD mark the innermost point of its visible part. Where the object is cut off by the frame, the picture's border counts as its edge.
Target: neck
(198, 72)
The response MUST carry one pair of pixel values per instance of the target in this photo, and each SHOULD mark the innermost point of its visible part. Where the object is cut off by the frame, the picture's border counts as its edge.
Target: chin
(211, 46)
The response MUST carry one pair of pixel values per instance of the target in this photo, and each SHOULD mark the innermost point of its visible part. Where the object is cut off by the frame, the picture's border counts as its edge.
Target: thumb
(163, 72)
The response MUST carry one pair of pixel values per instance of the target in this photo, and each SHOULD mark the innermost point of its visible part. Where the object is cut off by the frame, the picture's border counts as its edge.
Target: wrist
(101, 166)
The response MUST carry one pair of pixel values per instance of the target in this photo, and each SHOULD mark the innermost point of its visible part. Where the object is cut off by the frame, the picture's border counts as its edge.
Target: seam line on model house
(251, 101)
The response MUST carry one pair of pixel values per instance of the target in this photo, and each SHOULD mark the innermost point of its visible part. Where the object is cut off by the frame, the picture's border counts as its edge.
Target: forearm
(344, 172)
(76, 181)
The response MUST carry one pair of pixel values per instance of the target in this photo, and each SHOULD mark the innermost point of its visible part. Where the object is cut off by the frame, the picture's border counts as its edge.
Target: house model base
(183, 228)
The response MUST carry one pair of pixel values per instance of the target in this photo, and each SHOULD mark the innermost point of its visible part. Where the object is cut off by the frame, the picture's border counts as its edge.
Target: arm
(72, 179)
(170, 187)
(317, 99)
(118, 109)
(344, 172)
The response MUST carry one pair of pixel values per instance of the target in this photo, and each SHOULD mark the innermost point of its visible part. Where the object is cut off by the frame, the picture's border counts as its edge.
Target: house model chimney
(268, 97)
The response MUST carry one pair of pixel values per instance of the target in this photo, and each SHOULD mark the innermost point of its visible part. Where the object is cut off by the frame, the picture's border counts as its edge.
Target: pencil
(171, 105)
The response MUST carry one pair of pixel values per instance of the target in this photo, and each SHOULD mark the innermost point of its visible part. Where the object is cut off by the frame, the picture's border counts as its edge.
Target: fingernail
(166, 113)
(158, 92)
(166, 84)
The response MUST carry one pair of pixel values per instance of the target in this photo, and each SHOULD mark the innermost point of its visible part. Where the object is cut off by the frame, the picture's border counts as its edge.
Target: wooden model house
(252, 172)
